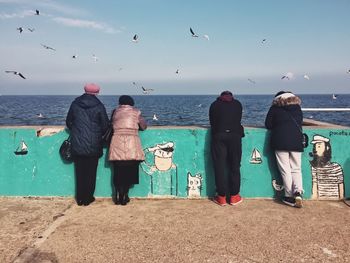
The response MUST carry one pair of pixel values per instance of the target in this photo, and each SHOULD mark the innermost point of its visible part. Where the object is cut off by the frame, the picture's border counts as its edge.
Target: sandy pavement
(148, 230)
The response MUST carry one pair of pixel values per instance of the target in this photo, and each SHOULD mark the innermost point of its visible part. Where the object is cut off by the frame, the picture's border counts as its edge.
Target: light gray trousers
(289, 165)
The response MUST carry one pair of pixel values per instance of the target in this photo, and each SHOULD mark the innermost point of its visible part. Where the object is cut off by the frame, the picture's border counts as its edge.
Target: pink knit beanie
(92, 89)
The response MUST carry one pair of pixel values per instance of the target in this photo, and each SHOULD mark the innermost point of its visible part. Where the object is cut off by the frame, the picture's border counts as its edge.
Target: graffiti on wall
(278, 187)
(194, 185)
(161, 168)
(327, 176)
(255, 158)
(22, 148)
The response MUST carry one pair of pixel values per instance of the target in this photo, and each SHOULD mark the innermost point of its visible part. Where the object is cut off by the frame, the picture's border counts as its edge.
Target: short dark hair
(226, 92)
(126, 100)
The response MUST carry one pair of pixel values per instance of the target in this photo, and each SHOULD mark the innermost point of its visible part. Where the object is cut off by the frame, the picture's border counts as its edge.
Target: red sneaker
(220, 200)
(235, 199)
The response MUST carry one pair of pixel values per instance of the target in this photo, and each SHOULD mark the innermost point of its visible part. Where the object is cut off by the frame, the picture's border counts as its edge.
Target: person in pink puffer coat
(125, 151)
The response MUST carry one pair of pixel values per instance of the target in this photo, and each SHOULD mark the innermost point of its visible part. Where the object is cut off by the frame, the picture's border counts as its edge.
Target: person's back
(225, 116)
(125, 151)
(284, 119)
(87, 119)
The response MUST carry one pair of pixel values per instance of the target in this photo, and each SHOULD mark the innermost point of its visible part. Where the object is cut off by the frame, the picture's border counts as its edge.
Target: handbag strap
(296, 123)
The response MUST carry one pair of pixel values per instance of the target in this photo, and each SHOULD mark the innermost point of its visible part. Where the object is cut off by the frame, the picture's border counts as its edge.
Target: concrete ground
(57, 230)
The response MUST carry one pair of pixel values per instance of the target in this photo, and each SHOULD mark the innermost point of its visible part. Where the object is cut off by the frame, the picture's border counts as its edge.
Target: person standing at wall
(87, 121)
(125, 151)
(225, 115)
(284, 119)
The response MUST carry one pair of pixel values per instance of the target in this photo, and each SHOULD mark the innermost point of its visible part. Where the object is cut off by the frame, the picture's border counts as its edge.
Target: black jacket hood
(87, 101)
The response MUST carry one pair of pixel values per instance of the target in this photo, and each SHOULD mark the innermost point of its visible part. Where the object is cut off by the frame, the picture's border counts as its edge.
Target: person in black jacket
(87, 121)
(284, 119)
(225, 116)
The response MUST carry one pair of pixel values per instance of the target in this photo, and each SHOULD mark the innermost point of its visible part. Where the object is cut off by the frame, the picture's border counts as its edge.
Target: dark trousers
(85, 178)
(226, 151)
(126, 173)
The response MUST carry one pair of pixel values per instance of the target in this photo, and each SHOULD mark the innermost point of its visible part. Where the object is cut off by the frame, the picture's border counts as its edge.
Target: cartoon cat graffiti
(194, 185)
(163, 171)
(327, 176)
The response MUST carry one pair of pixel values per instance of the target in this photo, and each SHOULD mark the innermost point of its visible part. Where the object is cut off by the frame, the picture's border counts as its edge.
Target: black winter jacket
(285, 132)
(87, 121)
(226, 116)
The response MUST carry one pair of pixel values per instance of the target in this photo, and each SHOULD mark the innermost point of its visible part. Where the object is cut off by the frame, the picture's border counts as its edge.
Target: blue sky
(302, 38)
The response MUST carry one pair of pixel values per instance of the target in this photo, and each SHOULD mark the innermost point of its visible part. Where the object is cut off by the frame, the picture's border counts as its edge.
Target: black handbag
(66, 150)
(107, 136)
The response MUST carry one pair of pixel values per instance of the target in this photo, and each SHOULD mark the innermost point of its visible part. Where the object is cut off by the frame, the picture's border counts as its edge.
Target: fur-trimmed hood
(286, 99)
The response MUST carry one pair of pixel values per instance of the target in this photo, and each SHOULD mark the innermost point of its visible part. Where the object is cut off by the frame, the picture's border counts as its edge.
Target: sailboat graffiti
(255, 157)
(21, 149)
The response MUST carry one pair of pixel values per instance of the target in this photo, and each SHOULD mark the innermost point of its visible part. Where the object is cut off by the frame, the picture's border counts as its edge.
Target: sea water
(178, 110)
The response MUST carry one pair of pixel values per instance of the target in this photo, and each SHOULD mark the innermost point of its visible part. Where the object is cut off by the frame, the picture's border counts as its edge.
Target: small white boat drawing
(21, 149)
(256, 157)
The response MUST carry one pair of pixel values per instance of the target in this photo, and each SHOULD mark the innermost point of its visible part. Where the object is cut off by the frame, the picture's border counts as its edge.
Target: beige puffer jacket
(125, 144)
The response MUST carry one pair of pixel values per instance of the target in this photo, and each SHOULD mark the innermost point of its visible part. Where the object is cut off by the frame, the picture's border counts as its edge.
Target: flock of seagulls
(135, 39)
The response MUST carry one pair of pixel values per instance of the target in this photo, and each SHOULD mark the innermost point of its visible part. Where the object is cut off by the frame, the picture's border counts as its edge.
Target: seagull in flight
(206, 37)
(37, 12)
(146, 91)
(263, 41)
(135, 39)
(177, 71)
(155, 118)
(20, 29)
(40, 116)
(251, 81)
(348, 71)
(94, 57)
(192, 32)
(75, 56)
(306, 77)
(16, 73)
(288, 76)
(47, 47)
(31, 29)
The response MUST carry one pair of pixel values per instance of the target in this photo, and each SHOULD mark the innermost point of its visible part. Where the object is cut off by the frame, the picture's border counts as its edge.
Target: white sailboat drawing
(255, 157)
(21, 149)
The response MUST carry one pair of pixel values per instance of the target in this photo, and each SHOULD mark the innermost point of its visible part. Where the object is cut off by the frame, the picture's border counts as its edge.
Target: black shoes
(123, 199)
(295, 201)
(85, 202)
(289, 200)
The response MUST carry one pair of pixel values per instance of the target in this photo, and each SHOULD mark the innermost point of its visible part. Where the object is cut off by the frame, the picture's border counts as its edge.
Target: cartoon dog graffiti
(163, 171)
(194, 185)
(327, 176)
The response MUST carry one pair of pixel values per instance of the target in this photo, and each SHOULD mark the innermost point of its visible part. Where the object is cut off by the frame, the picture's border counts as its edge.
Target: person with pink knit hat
(87, 121)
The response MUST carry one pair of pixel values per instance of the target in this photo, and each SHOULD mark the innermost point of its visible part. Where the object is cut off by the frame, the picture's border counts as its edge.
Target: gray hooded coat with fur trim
(285, 133)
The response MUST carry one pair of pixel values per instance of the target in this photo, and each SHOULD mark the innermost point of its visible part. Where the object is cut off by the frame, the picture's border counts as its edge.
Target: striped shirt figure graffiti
(327, 176)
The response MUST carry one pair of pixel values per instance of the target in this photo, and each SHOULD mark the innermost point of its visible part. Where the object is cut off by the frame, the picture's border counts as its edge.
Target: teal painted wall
(41, 172)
